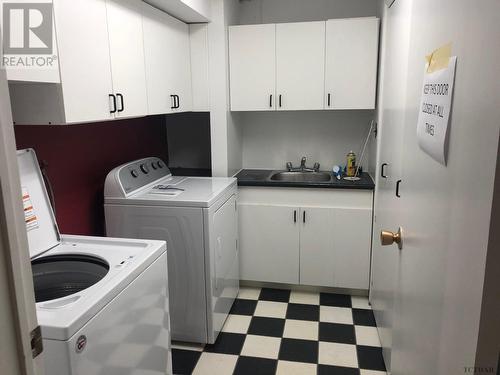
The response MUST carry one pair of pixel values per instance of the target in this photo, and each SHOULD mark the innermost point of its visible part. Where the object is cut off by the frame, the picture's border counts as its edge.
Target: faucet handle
(289, 166)
(316, 167)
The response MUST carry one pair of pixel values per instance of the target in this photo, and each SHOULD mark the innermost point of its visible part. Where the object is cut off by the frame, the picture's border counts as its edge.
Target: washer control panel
(142, 172)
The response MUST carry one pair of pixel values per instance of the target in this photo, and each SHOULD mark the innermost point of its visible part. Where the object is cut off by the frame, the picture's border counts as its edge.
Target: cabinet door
(180, 69)
(335, 247)
(317, 255)
(167, 55)
(84, 60)
(269, 243)
(351, 229)
(300, 65)
(156, 54)
(225, 265)
(252, 62)
(351, 63)
(127, 56)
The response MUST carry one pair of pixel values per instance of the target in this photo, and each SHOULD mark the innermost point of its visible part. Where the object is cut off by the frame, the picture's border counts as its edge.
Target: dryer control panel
(134, 175)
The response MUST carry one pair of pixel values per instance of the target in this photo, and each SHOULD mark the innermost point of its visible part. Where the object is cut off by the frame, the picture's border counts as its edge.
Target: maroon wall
(80, 156)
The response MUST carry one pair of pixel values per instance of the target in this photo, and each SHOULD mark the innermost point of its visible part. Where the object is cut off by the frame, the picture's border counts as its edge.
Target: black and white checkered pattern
(271, 331)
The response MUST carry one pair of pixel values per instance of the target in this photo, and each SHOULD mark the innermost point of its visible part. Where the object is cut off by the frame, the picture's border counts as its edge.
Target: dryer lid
(41, 226)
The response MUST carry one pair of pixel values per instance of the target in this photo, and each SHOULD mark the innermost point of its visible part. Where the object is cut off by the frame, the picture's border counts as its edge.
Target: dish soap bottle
(351, 164)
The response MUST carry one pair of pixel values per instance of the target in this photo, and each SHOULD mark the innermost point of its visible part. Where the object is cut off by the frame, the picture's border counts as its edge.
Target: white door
(167, 55)
(317, 255)
(252, 66)
(444, 212)
(17, 299)
(385, 260)
(351, 63)
(269, 243)
(127, 57)
(84, 59)
(300, 65)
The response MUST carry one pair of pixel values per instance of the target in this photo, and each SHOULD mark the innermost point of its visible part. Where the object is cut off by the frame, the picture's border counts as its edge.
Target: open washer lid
(41, 225)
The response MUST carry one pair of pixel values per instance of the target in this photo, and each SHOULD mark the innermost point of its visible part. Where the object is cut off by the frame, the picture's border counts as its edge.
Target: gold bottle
(351, 164)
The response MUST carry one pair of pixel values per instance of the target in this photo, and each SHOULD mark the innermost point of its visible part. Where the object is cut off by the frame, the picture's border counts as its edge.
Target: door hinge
(36, 342)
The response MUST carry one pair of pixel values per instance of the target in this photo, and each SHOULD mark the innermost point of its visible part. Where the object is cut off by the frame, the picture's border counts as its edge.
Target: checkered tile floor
(271, 331)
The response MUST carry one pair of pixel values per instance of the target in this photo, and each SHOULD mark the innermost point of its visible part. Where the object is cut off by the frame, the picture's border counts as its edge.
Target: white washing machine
(102, 303)
(197, 218)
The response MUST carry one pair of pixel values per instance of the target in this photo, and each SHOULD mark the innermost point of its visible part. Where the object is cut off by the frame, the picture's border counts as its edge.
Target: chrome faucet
(303, 167)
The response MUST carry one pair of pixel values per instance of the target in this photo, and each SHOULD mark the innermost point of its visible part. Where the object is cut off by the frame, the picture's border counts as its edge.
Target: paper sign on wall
(435, 106)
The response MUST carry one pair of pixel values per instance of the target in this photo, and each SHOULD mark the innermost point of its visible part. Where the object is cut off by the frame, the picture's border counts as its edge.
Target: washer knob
(144, 168)
(154, 166)
(134, 173)
(160, 164)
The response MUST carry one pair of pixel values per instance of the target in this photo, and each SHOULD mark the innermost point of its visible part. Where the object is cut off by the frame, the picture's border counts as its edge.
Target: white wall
(226, 136)
(234, 130)
(274, 11)
(188, 137)
(272, 138)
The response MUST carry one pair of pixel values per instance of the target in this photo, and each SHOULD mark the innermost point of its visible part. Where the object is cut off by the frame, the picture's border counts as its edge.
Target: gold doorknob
(388, 238)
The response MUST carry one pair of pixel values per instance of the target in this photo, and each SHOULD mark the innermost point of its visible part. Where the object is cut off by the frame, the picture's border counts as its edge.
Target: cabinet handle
(271, 101)
(295, 216)
(279, 99)
(113, 110)
(304, 217)
(398, 184)
(178, 101)
(122, 107)
(329, 99)
(173, 106)
(382, 170)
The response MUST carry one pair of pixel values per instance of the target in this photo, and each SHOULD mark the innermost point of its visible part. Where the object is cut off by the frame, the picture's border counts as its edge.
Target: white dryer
(197, 218)
(102, 303)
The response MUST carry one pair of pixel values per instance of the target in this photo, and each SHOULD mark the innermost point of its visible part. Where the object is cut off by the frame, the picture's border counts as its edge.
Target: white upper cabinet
(304, 65)
(351, 63)
(168, 62)
(85, 65)
(114, 57)
(127, 57)
(252, 54)
(300, 65)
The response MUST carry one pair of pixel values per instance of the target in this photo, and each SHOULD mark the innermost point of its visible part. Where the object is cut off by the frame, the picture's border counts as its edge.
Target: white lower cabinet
(335, 247)
(323, 240)
(269, 243)
(317, 258)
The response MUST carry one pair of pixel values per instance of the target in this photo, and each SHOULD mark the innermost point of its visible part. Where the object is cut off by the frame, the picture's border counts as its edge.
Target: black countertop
(261, 177)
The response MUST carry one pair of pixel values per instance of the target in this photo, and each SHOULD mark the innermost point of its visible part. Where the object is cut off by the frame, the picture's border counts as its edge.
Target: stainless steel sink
(301, 176)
